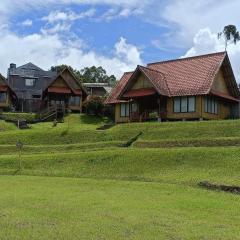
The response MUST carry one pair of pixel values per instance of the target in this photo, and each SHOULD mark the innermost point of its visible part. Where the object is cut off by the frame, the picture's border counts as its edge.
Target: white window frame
(29, 82)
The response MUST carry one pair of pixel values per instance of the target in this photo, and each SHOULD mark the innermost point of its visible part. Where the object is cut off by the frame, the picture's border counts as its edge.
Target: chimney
(13, 66)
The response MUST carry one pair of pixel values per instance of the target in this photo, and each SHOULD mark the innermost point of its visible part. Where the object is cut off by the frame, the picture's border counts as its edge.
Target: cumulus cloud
(186, 17)
(205, 41)
(46, 50)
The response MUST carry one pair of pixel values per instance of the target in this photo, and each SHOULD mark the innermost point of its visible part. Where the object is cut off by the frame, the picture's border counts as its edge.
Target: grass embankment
(182, 166)
(82, 130)
(159, 199)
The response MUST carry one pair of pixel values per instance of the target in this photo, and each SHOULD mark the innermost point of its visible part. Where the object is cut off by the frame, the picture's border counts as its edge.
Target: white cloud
(127, 53)
(27, 23)
(114, 13)
(205, 41)
(186, 17)
(59, 27)
(46, 50)
(56, 16)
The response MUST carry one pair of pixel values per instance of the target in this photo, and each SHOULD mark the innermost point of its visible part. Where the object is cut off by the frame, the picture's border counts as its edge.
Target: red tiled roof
(223, 95)
(112, 98)
(59, 90)
(3, 88)
(139, 92)
(77, 91)
(180, 77)
(157, 79)
(190, 76)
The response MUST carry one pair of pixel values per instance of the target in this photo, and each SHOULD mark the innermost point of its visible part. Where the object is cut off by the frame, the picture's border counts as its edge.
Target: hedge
(29, 117)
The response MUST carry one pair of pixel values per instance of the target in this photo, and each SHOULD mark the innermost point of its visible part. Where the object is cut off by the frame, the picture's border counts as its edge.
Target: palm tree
(230, 33)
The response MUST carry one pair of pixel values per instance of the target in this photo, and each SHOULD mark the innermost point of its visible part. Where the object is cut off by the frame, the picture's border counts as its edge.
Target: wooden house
(65, 90)
(7, 96)
(201, 87)
(98, 89)
(37, 89)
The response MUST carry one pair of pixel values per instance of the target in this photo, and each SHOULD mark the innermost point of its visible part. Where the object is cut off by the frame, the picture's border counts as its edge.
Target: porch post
(159, 109)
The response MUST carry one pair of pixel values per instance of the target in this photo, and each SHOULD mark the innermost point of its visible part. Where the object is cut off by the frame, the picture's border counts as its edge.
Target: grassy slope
(81, 130)
(162, 201)
(182, 166)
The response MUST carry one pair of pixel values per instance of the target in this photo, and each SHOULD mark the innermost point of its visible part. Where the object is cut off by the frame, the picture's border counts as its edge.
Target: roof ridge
(162, 74)
(187, 58)
(154, 70)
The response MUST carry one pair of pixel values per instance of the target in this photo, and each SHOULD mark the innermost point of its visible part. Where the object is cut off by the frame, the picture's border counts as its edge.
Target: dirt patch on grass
(188, 143)
(224, 188)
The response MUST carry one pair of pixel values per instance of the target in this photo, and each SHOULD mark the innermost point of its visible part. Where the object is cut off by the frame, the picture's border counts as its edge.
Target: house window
(134, 107)
(29, 82)
(3, 96)
(211, 105)
(124, 110)
(74, 101)
(184, 104)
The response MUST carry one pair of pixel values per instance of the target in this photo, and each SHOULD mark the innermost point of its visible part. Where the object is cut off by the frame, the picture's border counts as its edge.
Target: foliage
(230, 33)
(89, 74)
(10, 116)
(97, 75)
(94, 105)
(60, 68)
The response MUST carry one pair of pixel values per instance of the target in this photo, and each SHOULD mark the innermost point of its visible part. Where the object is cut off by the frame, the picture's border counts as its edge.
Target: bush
(153, 115)
(94, 105)
(9, 116)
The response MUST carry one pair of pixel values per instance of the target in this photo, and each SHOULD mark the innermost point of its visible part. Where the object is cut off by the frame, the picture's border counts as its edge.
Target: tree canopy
(89, 74)
(230, 34)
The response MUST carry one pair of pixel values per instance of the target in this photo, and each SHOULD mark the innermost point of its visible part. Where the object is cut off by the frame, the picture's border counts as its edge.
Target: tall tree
(60, 68)
(230, 34)
(88, 74)
(97, 75)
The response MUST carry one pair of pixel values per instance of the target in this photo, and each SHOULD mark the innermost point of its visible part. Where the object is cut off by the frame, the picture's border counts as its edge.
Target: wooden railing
(144, 116)
(52, 111)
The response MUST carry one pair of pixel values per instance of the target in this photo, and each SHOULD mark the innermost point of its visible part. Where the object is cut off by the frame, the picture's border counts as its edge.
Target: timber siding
(223, 111)
(118, 117)
(207, 76)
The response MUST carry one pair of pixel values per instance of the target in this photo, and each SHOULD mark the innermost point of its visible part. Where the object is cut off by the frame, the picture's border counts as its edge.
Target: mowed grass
(60, 208)
(77, 182)
(82, 129)
(186, 166)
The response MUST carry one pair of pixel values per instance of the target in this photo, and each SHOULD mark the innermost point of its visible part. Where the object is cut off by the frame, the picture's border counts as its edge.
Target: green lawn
(61, 208)
(77, 182)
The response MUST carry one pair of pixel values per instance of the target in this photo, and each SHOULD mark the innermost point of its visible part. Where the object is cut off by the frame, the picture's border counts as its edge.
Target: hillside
(145, 191)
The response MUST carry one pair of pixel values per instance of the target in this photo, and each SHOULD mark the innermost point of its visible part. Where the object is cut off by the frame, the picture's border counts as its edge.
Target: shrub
(94, 105)
(9, 116)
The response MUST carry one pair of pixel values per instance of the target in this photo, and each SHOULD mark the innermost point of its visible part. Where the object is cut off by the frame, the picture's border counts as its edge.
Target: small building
(7, 96)
(37, 89)
(97, 89)
(201, 87)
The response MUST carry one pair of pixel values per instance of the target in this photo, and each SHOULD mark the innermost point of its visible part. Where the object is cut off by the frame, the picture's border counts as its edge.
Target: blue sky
(115, 34)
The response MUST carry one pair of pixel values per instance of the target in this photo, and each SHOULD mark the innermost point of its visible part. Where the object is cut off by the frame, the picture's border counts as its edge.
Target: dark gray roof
(17, 76)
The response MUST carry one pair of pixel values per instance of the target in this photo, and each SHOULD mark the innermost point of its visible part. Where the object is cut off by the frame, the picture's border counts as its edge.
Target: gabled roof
(113, 97)
(73, 83)
(30, 66)
(5, 86)
(182, 77)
